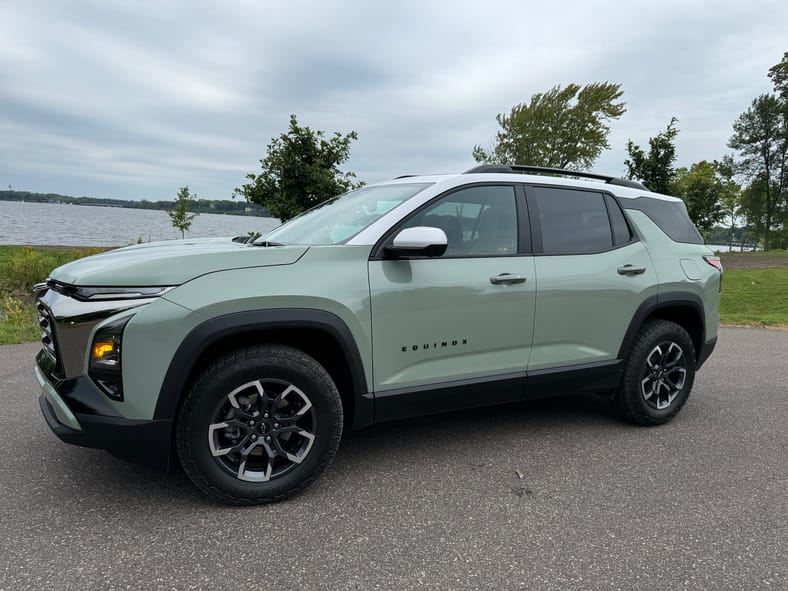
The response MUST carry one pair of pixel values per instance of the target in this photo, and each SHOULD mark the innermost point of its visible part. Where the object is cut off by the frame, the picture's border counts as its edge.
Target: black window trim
(610, 218)
(524, 227)
(536, 229)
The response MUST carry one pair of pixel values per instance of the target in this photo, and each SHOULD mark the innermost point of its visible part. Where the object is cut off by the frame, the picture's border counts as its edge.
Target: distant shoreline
(216, 206)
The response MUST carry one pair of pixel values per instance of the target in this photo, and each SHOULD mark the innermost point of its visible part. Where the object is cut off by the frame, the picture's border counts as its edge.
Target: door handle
(506, 279)
(631, 270)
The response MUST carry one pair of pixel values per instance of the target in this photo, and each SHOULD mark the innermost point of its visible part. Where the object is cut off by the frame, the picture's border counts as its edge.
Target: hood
(172, 262)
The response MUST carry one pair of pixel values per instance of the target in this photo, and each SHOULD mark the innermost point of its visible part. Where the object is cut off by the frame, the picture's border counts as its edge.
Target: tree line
(568, 128)
(224, 206)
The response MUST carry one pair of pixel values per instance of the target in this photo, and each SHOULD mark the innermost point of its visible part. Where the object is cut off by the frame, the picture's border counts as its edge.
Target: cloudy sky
(134, 99)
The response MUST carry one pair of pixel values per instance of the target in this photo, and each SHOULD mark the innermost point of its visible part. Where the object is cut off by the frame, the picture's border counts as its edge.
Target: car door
(593, 273)
(455, 331)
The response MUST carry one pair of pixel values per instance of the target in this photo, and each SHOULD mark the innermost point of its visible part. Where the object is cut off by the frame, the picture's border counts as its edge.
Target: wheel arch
(683, 308)
(320, 334)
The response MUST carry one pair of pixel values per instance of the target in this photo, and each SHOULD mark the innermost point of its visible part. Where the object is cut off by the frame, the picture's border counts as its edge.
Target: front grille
(48, 335)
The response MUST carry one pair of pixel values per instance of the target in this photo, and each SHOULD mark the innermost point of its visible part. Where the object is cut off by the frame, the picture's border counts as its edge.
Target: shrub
(24, 269)
(25, 266)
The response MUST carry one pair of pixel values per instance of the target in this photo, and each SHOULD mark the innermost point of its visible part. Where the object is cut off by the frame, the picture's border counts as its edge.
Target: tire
(658, 374)
(259, 425)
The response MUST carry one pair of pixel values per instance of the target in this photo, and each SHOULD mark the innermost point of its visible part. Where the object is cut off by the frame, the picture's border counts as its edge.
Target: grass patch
(21, 267)
(18, 321)
(755, 296)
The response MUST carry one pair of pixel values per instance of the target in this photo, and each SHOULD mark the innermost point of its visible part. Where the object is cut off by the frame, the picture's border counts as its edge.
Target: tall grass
(20, 269)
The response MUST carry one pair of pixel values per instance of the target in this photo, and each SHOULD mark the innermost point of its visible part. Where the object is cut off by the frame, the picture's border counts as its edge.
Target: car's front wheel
(259, 425)
(658, 374)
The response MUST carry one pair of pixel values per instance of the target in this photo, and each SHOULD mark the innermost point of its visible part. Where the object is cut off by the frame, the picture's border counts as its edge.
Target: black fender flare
(215, 329)
(657, 302)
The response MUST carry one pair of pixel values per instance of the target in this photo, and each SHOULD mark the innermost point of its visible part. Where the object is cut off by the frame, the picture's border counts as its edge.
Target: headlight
(119, 293)
(104, 367)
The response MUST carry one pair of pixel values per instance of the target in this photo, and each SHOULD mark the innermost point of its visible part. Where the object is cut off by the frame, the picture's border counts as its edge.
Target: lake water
(85, 225)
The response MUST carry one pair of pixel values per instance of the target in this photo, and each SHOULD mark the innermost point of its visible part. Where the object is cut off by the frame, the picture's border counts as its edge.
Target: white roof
(451, 180)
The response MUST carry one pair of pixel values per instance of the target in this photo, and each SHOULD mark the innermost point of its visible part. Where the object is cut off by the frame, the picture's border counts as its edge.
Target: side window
(572, 221)
(671, 217)
(621, 234)
(478, 221)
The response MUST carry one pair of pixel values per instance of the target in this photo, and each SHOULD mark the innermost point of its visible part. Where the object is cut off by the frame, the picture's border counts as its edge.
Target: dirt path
(754, 260)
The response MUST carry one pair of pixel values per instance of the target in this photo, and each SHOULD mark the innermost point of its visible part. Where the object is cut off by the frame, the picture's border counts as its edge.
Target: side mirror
(419, 241)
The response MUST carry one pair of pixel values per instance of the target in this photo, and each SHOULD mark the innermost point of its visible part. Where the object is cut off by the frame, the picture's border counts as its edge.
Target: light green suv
(423, 294)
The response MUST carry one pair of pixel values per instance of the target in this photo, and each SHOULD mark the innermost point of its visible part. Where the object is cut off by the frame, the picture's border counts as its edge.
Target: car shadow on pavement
(90, 477)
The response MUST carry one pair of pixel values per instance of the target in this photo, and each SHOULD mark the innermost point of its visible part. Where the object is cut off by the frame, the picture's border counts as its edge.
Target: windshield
(343, 217)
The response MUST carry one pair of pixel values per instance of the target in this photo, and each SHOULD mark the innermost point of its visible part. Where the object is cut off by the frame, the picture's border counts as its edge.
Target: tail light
(714, 261)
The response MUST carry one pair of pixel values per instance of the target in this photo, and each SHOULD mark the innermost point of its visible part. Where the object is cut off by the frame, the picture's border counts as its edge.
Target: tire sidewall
(208, 392)
(653, 334)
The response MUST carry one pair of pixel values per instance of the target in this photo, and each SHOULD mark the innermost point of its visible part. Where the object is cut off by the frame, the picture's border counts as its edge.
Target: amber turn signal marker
(101, 348)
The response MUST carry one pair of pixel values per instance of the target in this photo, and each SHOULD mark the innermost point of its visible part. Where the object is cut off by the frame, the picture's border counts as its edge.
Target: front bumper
(79, 414)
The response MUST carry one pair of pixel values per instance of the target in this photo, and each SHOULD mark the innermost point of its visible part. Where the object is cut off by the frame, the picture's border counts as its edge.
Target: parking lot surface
(435, 502)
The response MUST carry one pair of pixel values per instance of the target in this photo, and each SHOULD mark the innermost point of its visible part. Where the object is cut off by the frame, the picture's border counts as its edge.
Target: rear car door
(592, 273)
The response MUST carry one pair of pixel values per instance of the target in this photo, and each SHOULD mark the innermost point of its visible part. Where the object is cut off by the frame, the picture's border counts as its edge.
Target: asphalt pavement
(433, 503)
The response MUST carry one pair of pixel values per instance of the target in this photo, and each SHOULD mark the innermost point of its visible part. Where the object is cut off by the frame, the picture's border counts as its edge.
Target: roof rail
(520, 168)
(404, 176)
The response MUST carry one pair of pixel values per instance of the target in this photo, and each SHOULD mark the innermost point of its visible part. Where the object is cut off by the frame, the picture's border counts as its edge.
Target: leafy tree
(300, 170)
(561, 128)
(701, 188)
(752, 210)
(180, 217)
(760, 135)
(730, 197)
(655, 168)
(779, 75)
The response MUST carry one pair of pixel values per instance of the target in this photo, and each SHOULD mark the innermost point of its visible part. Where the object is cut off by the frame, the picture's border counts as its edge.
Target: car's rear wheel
(259, 425)
(658, 374)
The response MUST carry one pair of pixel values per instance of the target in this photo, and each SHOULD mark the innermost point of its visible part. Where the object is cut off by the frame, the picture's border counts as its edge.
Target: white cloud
(135, 99)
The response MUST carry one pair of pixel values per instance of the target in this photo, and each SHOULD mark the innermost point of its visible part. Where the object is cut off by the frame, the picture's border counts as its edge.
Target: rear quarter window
(671, 217)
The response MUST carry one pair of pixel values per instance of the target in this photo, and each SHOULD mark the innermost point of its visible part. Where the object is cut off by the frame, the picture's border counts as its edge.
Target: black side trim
(240, 323)
(599, 376)
(661, 301)
(448, 396)
(603, 376)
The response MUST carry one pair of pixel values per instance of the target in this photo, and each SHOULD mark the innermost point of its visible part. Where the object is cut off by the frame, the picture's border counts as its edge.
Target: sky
(133, 100)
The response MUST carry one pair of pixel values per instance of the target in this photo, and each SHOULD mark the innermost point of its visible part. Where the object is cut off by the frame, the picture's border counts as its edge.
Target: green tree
(779, 76)
(701, 188)
(730, 196)
(180, 217)
(760, 135)
(752, 210)
(300, 170)
(561, 128)
(655, 168)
